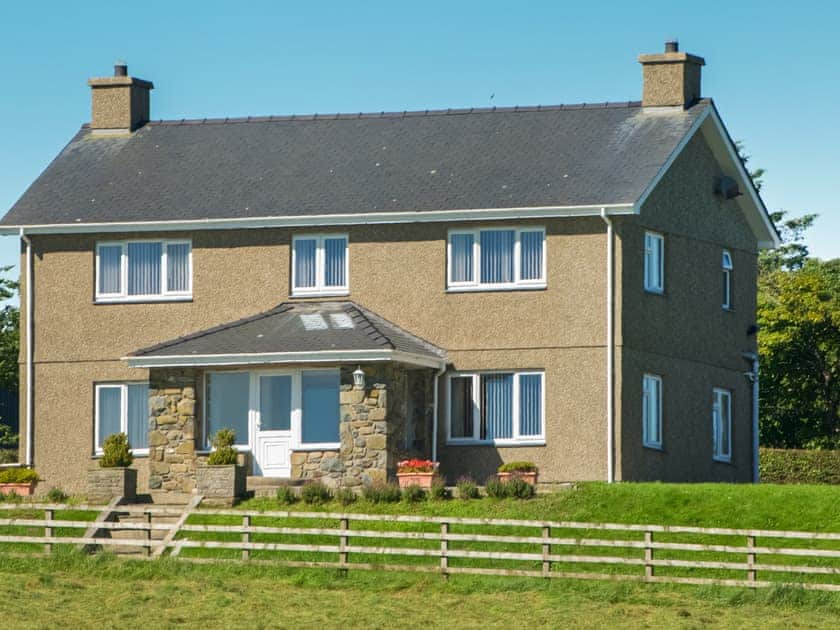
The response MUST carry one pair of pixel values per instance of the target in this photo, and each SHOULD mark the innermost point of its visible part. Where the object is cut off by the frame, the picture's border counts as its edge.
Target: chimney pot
(120, 69)
(672, 46)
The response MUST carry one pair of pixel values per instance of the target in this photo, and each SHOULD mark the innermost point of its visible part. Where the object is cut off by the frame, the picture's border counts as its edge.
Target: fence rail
(552, 549)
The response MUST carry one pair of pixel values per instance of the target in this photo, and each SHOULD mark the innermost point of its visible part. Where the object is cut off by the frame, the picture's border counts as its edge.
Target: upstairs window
(654, 262)
(722, 425)
(503, 408)
(652, 411)
(726, 265)
(498, 258)
(320, 265)
(123, 408)
(139, 271)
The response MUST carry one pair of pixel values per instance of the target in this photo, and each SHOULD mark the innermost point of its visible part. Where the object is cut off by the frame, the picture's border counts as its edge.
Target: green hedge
(796, 466)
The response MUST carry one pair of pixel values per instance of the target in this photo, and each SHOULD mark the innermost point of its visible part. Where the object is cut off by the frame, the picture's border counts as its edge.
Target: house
(573, 285)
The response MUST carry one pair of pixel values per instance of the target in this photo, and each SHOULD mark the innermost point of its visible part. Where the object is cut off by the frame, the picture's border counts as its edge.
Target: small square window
(320, 265)
(654, 262)
(652, 411)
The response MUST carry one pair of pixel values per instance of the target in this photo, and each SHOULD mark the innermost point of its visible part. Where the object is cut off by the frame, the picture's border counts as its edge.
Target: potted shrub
(416, 472)
(527, 471)
(221, 480)
(113, 477)
(20, 481)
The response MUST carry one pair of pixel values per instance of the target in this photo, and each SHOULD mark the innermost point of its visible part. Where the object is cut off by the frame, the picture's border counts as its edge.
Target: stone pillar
(172, 429)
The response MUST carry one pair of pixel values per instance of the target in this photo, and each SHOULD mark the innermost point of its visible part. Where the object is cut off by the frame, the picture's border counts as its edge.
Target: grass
(71, 590)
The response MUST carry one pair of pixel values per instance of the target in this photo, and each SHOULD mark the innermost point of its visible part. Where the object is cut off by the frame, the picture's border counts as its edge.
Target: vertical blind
(530, 255)
(138, 415)
(461, 407)
(462, 257)
(320, 407)
(110, 269)
(305, 262)
(530, 404)
(178, 267)
(497, 406)
(335, 250)
(110, 411)
(228, 404)
(497, 256)
(144, 268)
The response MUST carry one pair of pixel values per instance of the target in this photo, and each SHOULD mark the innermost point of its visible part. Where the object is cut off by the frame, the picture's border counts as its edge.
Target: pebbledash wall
(388, 419)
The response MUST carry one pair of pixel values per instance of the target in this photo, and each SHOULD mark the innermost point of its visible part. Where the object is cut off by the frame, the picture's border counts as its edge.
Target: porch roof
(295, 332)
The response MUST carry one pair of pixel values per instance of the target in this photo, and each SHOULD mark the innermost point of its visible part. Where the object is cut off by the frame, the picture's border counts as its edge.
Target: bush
(286, 496)
(12, 497)
(512, 467)
(19, 475)
(315, 493)
(467, 489)
(116, 452)
(345, 496)
(799, 466)
(439, 491)
(519, 489)
(382, 493)
(495, 488)
(56, 495)
(413, 494)
(224, 454)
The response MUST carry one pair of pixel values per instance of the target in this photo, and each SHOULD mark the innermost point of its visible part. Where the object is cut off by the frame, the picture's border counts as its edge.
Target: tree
(9, 333)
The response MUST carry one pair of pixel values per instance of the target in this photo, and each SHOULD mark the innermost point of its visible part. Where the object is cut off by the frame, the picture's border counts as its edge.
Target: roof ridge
(368, 313)
(280, 308)
(451, 111)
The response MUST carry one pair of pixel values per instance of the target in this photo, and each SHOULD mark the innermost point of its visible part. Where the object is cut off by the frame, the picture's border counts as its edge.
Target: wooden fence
(448, 545)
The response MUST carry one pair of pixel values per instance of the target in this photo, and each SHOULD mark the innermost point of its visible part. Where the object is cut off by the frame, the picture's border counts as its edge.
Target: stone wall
(172, 430)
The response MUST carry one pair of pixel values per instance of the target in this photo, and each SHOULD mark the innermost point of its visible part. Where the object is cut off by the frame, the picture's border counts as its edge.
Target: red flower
(417, 465)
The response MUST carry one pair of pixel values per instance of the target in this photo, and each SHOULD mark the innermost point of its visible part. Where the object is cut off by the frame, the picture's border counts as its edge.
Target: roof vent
(727, 187)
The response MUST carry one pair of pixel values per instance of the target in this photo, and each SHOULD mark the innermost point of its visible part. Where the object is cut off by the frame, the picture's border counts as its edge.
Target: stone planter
(220, 485)
(529, 476)
(422, 479)
(106, 483)
(21, 489)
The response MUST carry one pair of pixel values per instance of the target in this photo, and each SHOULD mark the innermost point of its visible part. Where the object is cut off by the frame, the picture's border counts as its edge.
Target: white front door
(273, 425)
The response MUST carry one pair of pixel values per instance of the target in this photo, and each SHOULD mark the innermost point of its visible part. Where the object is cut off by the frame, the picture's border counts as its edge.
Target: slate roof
(357, 163)
(299, 327)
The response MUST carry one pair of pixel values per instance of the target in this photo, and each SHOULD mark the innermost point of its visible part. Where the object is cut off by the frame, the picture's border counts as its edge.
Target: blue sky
(770, 66)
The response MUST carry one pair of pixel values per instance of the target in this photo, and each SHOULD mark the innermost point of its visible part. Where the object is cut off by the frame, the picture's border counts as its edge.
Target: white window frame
(249, 445)
(727, 267)
(517, 439)
(646, 439)
(475, 284)
(660, 262)
(320, 272)
(721, 397)
(123, 387)
(165, 295)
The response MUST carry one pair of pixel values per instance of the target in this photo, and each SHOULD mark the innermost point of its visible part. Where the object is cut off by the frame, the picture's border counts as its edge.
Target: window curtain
(462, 257)
(320, 407)
(461, 407)
(138, 415)
(530, 254)
(497, 406)
(275, 403)
(144, 268)
(228, 404)
(530, 404)
(110, 409)
(335, 252)
(110, 269)
(497, 248)
(178, 267)
(305, 261)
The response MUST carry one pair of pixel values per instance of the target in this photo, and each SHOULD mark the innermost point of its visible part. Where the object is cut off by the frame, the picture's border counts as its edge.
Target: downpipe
(752, 377)
(438, 374)
(610, 349)
(29, 327)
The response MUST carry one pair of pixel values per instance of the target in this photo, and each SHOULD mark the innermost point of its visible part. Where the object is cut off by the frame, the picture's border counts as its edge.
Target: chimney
(119, 103)
(670, 79)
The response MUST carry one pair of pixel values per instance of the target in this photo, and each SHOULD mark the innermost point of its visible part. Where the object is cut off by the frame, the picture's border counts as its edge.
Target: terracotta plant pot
(530, 477)
(421, 479)
(21, 489)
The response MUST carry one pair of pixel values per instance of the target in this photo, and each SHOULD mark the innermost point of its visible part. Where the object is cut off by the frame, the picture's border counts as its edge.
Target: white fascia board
(368, 218)
(266, 358)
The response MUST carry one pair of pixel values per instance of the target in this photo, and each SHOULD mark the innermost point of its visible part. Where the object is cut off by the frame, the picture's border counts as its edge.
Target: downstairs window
(122, 408)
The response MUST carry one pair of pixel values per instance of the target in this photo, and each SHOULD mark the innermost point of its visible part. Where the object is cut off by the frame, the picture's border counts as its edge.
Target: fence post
(343, 541)
(148, 518)
(444, 551)
(751, 574)
(246, 537)
(546, 551)
(648, 555)
(48, 531)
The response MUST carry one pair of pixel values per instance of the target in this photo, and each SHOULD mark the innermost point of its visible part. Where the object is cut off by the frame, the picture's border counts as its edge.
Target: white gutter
(752, 357)
(29, 329)
(438, 374)
(365, 218)
(610, 350)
